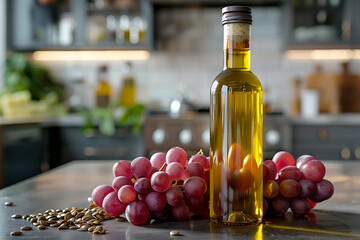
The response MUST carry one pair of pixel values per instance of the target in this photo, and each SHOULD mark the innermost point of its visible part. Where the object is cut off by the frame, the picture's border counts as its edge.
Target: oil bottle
(236, 111)
(103, 89)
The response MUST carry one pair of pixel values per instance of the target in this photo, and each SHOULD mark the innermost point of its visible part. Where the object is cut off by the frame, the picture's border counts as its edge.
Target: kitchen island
(71, 184)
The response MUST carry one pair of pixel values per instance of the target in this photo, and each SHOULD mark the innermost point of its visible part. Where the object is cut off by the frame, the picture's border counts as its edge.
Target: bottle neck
(237, 46)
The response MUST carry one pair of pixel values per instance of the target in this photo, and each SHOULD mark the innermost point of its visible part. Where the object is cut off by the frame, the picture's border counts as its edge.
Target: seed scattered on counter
(16, 233)
(26, 228)
(90, 200)
(174, 233)
(41, 227)
(121, 219)
(16, 216)
(25, 216)
(8, 204)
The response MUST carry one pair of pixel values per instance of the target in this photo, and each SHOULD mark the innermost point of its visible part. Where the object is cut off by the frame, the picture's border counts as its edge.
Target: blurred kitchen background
(117, 79)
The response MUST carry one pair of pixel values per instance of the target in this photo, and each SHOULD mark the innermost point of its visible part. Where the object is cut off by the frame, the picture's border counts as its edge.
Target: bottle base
(237, 218)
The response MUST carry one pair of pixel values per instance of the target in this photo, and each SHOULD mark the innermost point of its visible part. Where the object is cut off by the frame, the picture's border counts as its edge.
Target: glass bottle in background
(123, 32)
(128, 89)
(103, 89)
(236, 111)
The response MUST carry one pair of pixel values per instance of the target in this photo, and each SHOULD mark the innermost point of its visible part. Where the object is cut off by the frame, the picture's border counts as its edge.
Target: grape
(279, 205)
(251, 164)
(179, 213)
(200, 158)
(120, 181)
(307, 188)
(241, 180)
(112, 205)
(122, 168)
(272, 168)
(100, 192)
(195, 187)
(158, 159)
(289, 188)
(142, 186)
(162, 215)
(174, 196)
(265, 206)
(266, 173)
(177, 154)
(313, 170)
(141, 167)
(153, 170)
(324, 190)
(155, 201)
(289, 172)
(206, 177)
(137, 212)
(299, 206)
(127, 194)
(283, 159)
(196, 205)
(175, 171)
(160, 181)
(303, 159)
(271, 189)
(235, 157)
(195, 169)
(312, 204)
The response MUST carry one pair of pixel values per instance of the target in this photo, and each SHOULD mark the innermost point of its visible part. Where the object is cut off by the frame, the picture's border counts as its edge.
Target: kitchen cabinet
(70, 143)
(321, 24)
(79, 24)
(327, 142)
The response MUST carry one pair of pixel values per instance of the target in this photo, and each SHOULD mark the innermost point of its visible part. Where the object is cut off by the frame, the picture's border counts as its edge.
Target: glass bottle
(103, 89)
(236, 110)
(128, 90)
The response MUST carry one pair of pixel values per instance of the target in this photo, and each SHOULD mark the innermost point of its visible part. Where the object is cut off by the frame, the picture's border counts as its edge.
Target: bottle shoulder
(237, 80)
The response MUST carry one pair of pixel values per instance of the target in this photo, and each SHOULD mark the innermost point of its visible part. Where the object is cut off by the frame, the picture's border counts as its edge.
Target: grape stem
(162, 166)
(200, 152)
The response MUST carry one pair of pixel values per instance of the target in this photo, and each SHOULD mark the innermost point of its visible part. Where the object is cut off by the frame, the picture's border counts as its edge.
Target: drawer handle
(357, 153)
(101, 152)
(322, 134)
(345, 153)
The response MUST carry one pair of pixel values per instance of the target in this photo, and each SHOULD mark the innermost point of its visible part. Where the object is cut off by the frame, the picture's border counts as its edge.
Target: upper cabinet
(79, 24)
(320, 24)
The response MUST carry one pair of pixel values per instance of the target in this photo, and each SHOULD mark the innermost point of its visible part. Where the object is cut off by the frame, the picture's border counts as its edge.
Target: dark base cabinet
(71, 143)
(327, 142)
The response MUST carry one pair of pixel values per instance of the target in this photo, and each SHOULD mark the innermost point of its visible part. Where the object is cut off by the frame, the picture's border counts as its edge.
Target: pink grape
(265, 206)
(283, 159)
(177, 154)
(127, 194)
(279, 205)
(155, 201)
(153, 170)
(158, 159)
(313, 170)
(142, 186)
(137, 212)
(206, 177)
(272, 167)
(141, 167)
(312, 204)
(160, 181)
(162, 215)
(200, 158)
(266, 173)
(324, 190)
(303, 159)
(112, 205)
(120, 181)
(289, 172)
(195, 169)
(179, 213)
(299, 206)
(100, 192)
(195, 187)
(307, 188)
(174, 196)
(175, 171)
(122, 168)
(289, 188)
(196, 205)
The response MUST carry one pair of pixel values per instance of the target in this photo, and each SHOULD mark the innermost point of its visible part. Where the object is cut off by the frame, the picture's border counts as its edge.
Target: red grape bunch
(296, 185)
(166, 187)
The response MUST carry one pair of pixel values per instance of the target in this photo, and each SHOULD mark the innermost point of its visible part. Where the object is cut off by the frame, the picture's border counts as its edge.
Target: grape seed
(8, 204)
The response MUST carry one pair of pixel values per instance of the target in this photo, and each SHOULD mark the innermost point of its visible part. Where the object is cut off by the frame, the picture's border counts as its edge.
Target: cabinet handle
(345, 153)
(357, 153)
(322, 134)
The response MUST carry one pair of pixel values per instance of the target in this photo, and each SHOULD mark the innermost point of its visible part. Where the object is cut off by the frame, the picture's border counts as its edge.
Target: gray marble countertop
(71, 184)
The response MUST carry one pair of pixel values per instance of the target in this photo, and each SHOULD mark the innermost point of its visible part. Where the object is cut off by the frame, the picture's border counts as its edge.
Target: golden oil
(236, 186)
